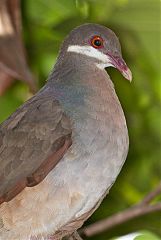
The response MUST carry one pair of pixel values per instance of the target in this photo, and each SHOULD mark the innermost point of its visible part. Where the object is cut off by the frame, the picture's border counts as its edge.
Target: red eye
(97, 42)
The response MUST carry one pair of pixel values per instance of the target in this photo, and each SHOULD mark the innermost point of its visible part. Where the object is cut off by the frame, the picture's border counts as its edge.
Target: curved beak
(119, 63)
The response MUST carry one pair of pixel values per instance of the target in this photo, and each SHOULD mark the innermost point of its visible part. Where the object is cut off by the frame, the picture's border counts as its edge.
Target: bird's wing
(32, 141)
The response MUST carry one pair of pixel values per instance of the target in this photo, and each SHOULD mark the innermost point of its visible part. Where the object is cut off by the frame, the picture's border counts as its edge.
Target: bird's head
(99, 45)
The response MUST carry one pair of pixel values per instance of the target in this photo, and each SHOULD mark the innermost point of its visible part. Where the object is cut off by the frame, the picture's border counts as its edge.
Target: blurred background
(45, 23)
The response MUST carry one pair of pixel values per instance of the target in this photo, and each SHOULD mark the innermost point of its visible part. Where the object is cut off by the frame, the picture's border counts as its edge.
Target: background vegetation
(136, 22)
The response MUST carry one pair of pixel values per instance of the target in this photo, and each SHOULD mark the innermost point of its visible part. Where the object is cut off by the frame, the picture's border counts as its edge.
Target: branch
(140, 209)
(151, 195)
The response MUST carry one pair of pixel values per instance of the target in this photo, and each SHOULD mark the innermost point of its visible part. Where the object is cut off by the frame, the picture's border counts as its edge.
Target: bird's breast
(99, 149)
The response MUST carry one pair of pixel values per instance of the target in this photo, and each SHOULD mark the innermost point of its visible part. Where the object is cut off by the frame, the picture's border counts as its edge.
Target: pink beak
(119, 63)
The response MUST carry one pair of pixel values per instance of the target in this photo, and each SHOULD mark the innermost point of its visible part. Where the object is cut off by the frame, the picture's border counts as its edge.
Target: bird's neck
(77, 77)
(81, 87)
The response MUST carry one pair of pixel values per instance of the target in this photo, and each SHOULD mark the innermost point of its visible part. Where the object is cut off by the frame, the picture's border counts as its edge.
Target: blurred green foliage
(143, 235)
(136, 22)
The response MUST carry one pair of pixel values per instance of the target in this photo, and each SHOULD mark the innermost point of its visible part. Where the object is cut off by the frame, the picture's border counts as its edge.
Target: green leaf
(147, 236)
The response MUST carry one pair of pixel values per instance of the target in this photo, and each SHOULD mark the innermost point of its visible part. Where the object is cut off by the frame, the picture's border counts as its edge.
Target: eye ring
(97, 42)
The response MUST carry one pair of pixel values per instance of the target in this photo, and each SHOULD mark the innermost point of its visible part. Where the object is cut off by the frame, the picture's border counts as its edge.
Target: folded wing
(32, 141)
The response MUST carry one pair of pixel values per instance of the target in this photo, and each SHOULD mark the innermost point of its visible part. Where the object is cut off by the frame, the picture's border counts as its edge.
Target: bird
(62, 150)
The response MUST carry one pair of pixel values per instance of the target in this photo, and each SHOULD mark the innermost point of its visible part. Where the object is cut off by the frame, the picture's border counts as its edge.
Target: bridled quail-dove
(61, 151)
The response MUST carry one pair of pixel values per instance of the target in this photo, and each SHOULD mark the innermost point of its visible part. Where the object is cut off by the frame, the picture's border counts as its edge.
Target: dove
(62, 150)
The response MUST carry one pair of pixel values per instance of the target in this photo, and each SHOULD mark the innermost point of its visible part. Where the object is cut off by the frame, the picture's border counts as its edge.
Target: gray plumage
(68, 143)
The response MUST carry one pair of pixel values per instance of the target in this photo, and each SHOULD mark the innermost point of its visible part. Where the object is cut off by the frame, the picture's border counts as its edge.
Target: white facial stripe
(91, 52)
(104, 65)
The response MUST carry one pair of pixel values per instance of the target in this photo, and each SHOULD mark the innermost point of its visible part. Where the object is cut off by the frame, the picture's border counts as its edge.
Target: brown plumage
(31, 135)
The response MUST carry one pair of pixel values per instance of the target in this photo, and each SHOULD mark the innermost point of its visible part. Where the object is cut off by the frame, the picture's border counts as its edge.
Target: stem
(140, 209)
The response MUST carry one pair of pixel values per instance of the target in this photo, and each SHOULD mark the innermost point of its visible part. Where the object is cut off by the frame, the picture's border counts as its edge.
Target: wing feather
(32, 141)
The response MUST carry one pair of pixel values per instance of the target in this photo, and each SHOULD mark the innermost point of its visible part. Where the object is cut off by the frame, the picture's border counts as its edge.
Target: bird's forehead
(86, 31)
